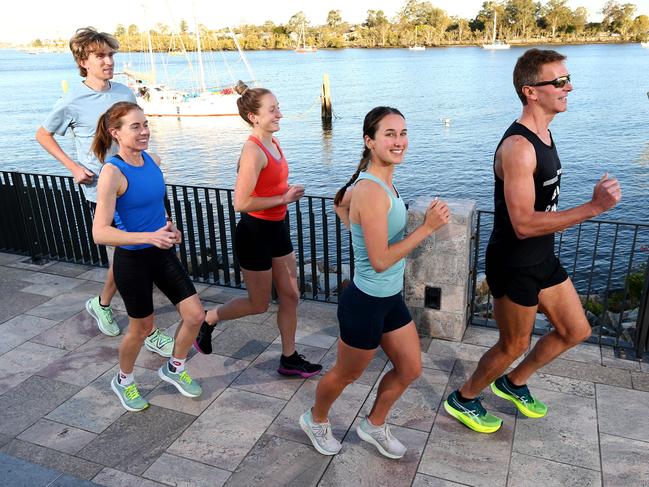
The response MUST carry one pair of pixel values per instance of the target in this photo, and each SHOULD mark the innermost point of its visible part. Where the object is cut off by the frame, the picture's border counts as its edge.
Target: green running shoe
(521, 397)
(103, 315)
(187, 386)
(160, 343)
(472, 414)
(129, 396)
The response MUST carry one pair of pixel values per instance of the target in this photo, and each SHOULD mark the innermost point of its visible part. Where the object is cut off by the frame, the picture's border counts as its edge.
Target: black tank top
(503, 243)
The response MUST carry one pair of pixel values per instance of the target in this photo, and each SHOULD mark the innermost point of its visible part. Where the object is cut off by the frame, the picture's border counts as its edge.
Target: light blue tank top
(390, 281)
(141, 208)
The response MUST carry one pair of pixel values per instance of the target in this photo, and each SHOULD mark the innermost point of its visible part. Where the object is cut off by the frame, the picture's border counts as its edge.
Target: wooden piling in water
(325, 99)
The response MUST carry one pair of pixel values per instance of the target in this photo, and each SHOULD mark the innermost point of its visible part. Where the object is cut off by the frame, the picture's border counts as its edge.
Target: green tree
(296, 22)
(556, 14)
(521, 15)
(120, 30)
(334, 19)
(133, 30)
(37, 43)
(183, 26)
(375, 18)
(641, 27)
(579, 19)
(618, 18)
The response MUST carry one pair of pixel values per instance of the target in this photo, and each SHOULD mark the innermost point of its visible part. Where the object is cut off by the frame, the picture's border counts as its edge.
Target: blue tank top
(141, 208)
(390, 281)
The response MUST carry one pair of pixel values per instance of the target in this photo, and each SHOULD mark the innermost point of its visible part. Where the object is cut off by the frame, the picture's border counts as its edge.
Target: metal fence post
(642, 325)
(26, 216)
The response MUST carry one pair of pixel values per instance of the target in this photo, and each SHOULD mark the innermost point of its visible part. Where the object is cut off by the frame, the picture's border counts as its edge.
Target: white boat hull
(205, 105)
(496, 47)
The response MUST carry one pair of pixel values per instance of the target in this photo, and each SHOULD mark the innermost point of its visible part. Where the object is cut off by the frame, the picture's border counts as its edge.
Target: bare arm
(342, 209)
(252, 161)
(516, 166)
(371, 205)
(48, 142)
(111, 184)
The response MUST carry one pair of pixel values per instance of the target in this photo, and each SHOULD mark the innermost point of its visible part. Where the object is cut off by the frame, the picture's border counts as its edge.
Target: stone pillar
(441, 261)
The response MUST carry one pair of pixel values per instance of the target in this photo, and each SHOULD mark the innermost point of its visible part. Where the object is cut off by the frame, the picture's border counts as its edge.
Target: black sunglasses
(559, 82)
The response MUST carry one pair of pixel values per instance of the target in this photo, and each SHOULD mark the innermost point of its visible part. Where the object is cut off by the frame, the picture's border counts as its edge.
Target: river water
(605, 129)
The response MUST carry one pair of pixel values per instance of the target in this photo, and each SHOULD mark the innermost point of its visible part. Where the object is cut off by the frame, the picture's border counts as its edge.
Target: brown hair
(85, 41)
(528, 68)
(370, 124)
(111, 119)
(250, 100)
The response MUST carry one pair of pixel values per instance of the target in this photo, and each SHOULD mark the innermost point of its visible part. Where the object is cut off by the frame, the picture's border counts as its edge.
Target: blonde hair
(86, 41)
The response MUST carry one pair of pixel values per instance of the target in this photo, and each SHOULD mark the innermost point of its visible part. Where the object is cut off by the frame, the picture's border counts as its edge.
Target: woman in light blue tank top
(131, 190)
(371, 310)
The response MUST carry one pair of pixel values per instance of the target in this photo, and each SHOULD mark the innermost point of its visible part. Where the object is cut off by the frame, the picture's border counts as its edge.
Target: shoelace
(184, 376)
(131, 392)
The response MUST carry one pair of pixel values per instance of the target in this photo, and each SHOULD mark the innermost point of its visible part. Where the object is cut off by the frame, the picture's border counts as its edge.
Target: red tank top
(272, 180)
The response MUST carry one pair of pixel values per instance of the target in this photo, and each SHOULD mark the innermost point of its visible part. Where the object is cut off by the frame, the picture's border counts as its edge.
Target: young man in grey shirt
(79, 111)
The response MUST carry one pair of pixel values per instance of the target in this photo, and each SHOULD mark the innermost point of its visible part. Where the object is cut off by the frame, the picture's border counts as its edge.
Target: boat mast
(199, 52)
(151, 58)
(493, 41)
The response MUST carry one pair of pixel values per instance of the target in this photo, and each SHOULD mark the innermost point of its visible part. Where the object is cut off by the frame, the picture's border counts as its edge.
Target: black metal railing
(46, 217)
(607, 262)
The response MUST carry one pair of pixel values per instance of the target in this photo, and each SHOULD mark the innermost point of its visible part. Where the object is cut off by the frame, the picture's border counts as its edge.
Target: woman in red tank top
(262, 242)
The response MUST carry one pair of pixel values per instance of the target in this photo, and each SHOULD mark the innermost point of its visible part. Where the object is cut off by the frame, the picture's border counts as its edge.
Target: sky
(45, 19)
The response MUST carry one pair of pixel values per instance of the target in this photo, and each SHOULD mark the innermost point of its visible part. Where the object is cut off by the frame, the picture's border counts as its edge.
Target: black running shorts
(364, 319)
(136, 271)
(257, 242)
(523, 284)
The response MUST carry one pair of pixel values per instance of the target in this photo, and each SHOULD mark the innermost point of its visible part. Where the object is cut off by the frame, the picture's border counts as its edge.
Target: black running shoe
(296, 364)
(203, 342)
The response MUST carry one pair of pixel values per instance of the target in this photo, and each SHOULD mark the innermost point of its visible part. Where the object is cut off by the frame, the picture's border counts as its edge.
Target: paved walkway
(60, 424)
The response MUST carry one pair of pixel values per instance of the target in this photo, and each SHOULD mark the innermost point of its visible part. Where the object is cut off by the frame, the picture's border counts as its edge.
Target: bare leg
(110, 289)
(561, 305)
(349, 366)
(129, 348)
(515, 323)
(285, 279)
(402, 347)
(191, 314)
(259, 285)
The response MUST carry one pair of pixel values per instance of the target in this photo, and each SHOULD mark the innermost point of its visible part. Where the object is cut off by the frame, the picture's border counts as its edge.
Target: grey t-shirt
(79, 110)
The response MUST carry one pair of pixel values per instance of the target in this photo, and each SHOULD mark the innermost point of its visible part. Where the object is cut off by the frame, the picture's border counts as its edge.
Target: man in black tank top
(523, 273)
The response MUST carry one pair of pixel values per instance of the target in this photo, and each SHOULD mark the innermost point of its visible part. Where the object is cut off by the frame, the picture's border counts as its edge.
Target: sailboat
(645, 45)
(301, 43)
(495, 45)
(417, 47)
(160, 100)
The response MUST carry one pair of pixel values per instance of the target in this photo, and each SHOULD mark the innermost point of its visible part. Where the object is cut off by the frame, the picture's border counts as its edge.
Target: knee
(577, 334)
(194, 318)
(409, 373)
(347, 377)
(514, 347)
(289, 299)
(140, 332)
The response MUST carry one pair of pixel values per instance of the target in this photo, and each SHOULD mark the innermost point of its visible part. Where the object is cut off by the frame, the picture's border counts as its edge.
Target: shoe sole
(121, 399)
(519, 406)
(176, 385)
(468, 422)
(156, 350)
(309, 433)
(199, 350)
(304, 375)
(365, 437)
(101, 329)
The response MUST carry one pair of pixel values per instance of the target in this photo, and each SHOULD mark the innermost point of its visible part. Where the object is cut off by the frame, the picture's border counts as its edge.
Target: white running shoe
(381, 438)
(320, 435)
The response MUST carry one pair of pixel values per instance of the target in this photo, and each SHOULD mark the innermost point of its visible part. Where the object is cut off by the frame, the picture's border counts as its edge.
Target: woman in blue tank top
(371, 310)
(131, 192)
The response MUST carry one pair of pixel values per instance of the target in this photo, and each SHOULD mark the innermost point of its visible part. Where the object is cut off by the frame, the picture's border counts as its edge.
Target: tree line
(518, 22)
